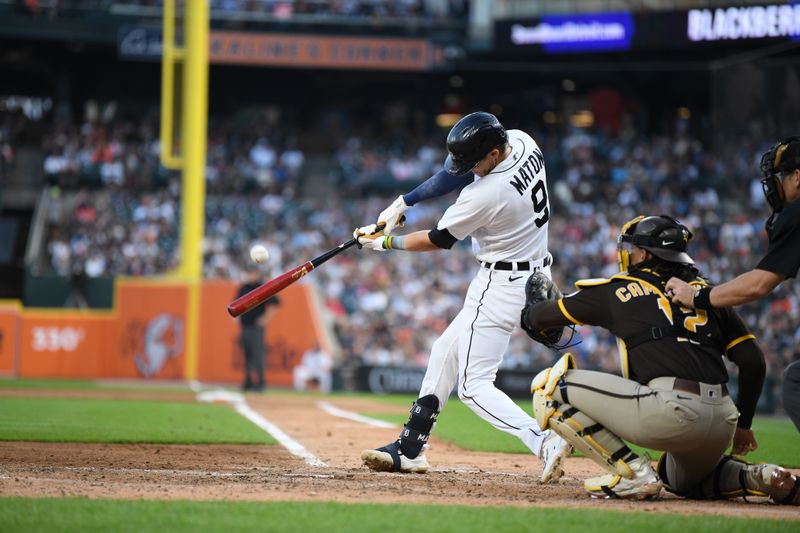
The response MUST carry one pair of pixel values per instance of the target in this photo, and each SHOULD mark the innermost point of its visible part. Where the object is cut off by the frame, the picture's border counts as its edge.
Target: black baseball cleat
(390, 458)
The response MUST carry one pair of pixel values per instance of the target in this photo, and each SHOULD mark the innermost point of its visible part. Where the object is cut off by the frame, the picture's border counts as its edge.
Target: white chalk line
(240, 406)
(341, 413)
(169, 472)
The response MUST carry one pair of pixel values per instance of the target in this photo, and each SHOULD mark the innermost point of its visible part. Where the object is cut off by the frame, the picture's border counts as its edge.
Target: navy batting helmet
(471, 139)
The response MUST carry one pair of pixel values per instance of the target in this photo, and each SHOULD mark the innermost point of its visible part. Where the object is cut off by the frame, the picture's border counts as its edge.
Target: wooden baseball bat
(269, 289)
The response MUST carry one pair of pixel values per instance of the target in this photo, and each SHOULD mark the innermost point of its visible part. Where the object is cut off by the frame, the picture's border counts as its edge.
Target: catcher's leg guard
(734, 477)
(586, 435)
(544, 384)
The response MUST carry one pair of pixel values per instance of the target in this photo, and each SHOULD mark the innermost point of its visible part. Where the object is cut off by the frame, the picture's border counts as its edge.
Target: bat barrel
(263, 293)
(267, 290)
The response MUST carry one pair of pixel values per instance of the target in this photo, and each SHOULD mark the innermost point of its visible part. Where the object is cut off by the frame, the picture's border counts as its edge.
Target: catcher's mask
(781, 158)
(662, 236)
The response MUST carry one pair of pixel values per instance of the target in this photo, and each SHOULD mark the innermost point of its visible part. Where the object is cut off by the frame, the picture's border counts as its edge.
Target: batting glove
(370, 237)
(393, 215)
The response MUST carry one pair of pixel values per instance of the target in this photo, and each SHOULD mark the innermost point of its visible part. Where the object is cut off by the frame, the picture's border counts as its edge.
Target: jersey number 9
(540, 204)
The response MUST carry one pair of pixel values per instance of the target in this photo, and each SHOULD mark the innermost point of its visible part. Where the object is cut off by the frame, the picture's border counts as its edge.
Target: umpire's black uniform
(783, 258)
(252, 341)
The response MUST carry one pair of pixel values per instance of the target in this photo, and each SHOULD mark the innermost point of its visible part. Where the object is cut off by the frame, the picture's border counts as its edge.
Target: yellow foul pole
(193, 121)
(194, 126)
(171, 54)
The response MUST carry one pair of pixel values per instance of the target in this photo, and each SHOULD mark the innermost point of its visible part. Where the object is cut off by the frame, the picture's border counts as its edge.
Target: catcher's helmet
(661, 235)
(471, 139)
(783, 156)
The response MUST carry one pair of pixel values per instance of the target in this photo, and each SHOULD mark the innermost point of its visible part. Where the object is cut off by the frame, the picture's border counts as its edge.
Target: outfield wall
(143, 336)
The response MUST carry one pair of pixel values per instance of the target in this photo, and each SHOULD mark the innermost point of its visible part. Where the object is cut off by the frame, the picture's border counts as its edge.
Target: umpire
(252, 341)
(781, 184)
(672, 395)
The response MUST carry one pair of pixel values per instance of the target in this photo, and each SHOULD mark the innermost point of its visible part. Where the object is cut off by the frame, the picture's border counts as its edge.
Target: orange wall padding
(144, 336)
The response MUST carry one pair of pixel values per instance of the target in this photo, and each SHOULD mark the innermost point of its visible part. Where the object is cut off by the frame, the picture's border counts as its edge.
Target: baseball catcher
(672, 395)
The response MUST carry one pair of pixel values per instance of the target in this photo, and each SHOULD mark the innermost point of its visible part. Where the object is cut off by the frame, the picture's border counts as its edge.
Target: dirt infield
(260, 473)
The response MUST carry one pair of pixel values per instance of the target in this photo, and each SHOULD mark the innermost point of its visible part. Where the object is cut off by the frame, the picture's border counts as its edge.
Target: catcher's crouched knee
(544, 384)
(555, 414)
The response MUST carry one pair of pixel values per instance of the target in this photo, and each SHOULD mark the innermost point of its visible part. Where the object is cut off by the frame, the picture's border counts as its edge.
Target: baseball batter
(505, 209)
(672, 395)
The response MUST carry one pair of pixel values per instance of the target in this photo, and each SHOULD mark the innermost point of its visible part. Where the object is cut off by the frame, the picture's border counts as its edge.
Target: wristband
(387, 242)
(702, 299)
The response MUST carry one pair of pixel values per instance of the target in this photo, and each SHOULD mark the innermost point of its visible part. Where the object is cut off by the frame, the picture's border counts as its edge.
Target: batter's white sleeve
(470, 212)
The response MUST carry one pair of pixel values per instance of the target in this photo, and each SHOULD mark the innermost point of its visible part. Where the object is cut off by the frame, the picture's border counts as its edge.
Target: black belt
(521, 265)
(687, 385)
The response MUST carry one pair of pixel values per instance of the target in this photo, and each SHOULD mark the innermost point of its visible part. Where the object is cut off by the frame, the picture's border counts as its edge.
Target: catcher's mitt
(540, 288)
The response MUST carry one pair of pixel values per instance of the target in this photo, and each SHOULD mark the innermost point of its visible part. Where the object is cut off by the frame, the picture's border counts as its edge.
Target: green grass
(459, 425)
(71, 514)
(111, 384)
(779, 440)
(59, 384)
(124, 421)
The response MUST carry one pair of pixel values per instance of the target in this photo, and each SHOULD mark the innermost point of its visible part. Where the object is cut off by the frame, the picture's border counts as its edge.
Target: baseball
(259, 254)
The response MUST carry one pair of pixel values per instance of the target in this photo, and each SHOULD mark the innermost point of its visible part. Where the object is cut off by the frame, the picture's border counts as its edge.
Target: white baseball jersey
(506, 212)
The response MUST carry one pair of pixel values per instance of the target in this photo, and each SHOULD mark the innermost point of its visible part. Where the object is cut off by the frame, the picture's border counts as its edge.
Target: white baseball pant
(471, 349)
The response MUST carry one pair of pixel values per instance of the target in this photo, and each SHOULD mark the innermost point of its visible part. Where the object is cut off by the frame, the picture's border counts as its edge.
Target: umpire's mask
(781, 157)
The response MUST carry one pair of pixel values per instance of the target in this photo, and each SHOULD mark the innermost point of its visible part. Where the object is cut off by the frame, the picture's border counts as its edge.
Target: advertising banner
(407, 380)
(596, 32)
(293, 50)
(744, 23)
(143, 337)
(307, 51)
(704, 29)
(59, 344)
(149, 331)
(145, 334)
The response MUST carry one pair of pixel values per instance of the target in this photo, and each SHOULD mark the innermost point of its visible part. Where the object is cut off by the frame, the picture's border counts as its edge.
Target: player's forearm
(752, 369)
(437, 185)
(748, 287)
(413, 242)
(546, 315)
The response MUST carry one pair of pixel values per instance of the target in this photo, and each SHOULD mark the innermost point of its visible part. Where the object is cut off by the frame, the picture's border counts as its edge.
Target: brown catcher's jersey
(656, 338)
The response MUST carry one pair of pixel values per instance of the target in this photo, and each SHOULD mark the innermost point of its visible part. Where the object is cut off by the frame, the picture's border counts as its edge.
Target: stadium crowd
(388, 308)
(12, 122)
(321, 10)
(440, 9)
(124, 154)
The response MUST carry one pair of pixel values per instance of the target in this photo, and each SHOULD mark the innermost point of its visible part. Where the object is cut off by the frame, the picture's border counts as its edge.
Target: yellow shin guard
(560, 418)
